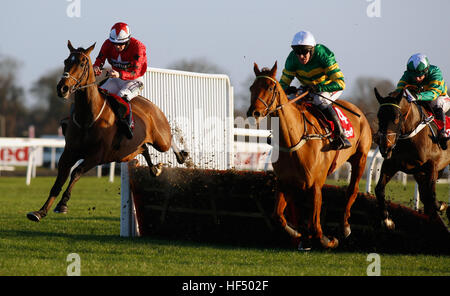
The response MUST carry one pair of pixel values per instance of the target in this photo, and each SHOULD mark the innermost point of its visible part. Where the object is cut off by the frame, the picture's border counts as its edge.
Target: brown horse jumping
(304, 163)
(93, 135)
(406, 144)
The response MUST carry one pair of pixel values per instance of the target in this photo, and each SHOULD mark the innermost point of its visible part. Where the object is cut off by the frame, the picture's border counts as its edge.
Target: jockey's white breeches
(326, 98)
(124, 88)
(442, 102)
(322, 98)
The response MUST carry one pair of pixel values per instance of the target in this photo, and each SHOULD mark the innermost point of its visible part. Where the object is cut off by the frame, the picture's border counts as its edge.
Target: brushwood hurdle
(199, 108)
(200, 111)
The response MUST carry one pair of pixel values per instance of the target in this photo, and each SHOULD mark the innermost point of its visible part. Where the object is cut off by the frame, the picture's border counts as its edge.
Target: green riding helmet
(418, 65)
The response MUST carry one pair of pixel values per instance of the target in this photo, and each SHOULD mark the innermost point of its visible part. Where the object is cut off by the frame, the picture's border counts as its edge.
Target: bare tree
(50, 108)
(365, 99)
(13, 113)
(199, 65)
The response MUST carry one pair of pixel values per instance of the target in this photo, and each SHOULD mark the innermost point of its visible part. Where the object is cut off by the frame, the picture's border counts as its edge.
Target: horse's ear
(69, 45)
(256, 69)
(273, 71)
(399, 97)
(378, 96)
(90, 48)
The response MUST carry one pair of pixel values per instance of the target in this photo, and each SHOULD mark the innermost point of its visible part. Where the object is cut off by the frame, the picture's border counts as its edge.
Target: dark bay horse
(93, 135)
(304, 163)
(406, 144)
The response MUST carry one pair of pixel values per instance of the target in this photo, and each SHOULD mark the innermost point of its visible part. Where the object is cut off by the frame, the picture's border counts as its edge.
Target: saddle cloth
(438, 122)
(345, 122)
(440, 125)
(117, 102)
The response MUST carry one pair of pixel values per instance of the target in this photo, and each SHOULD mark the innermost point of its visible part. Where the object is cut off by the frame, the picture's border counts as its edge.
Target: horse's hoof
(34, 216)
(443, 206)
(347, 231)
(181, 156)
(389, 224)
(329, 244)
(156, 169)
(61, 209)
(304, 246)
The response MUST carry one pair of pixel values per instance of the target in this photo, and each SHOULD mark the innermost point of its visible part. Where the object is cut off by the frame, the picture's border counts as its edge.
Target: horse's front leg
(358, 165)
(386, 174)
(316, 192)
(65, 163)
(426, 181)
(280, 206)
(82, 168)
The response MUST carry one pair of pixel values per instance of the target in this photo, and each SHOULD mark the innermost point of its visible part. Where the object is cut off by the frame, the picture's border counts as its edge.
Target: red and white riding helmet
(120, 33)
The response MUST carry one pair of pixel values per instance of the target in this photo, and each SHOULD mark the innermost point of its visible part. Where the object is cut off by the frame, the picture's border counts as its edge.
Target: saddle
(437, 124)
(120, 107)
(327, 124)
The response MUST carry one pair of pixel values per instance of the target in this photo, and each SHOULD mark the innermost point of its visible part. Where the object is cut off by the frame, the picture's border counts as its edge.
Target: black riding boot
(127, 122)
(340, 141)
(442, 135)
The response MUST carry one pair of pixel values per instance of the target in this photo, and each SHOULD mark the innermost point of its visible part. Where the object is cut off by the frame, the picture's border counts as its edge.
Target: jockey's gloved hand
(311, 88)
(290, 90)
(409, 97)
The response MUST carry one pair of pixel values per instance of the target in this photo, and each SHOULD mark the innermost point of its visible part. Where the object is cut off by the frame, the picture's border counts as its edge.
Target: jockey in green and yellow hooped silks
(429, 85)
(314, 65)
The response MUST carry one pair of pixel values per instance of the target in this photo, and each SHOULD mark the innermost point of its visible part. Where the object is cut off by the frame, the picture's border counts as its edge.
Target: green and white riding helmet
(418, 64)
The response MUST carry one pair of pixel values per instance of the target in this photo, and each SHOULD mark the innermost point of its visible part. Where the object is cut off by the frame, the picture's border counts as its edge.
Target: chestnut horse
(93, 135)
(304, 162)
(406, 144)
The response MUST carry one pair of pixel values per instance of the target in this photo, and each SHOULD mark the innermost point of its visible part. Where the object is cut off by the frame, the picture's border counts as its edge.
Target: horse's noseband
(275, 93)
(78, 81)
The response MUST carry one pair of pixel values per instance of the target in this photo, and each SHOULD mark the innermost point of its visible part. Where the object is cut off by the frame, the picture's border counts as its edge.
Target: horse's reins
(78, 86)
(274, 96)
(403, 118)
(304, 138)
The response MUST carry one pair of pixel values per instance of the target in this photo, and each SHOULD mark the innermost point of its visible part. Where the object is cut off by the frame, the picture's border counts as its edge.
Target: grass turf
(91, 229)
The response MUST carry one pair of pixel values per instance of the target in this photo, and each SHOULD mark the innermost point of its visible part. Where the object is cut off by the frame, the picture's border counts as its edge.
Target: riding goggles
(302, 50)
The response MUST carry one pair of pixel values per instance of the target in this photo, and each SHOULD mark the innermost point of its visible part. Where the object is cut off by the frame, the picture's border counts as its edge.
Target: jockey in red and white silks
(128, 59)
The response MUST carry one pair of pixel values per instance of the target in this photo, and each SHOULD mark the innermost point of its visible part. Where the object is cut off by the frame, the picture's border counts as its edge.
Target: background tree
(13, 113)
(364, 96)
(50, 108)
(199, 65)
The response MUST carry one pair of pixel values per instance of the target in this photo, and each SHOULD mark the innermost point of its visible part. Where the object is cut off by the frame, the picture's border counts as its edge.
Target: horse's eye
(82, 65)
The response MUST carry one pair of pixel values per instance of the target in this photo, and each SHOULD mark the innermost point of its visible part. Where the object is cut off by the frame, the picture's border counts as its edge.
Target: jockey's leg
(129, 90)
(340, 141)
(437, 106)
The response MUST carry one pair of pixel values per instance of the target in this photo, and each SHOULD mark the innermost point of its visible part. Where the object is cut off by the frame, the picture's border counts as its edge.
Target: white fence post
(125, 204)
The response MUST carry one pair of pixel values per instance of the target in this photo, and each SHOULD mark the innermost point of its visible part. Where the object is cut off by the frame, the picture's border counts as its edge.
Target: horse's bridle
(276, 93)
(399, 126)
(79, 80)
(78, 86)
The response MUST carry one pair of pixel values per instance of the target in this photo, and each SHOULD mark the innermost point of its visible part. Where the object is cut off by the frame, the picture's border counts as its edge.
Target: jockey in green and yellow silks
(314, 65)
(428, 85)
